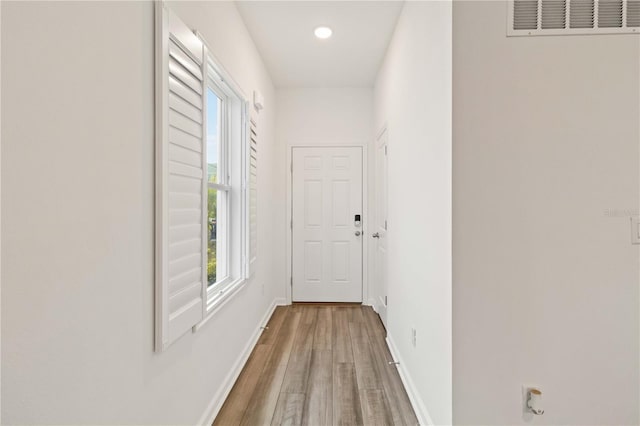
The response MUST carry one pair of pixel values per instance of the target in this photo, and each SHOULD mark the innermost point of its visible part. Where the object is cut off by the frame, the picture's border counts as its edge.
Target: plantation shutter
(180, 178)
(253, 195)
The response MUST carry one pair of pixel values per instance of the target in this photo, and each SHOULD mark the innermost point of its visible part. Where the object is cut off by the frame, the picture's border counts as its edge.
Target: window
(217, 191)
(202, 169)
(225, 146)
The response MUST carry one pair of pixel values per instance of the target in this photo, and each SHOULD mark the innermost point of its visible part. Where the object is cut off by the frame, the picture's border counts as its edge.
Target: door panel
(327, 253)
(380, 228)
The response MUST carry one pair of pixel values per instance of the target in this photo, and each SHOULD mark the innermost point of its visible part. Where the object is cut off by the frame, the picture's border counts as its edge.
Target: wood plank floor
(319, 365)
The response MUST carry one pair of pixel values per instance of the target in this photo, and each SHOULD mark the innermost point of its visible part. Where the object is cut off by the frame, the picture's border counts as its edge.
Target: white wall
(77, 219)
(413, 96)
(0, 214)
(320, 117)
(546, 165)
(334, 116)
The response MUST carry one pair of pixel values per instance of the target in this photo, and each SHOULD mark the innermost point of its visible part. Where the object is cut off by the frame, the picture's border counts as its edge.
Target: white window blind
(253, 195)
(566, 17)
(180, 178)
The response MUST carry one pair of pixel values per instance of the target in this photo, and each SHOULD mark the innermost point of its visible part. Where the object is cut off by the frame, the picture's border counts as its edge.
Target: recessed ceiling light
(323, 32)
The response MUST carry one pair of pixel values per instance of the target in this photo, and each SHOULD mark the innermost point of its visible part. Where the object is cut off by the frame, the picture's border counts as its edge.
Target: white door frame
(374, 250)
(365, 212)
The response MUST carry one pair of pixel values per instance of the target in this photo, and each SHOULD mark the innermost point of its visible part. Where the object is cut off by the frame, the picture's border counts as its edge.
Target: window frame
(221, 83)
(222, 175)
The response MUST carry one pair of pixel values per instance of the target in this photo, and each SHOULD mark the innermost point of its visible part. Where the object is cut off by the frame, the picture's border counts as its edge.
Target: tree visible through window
(216, 190)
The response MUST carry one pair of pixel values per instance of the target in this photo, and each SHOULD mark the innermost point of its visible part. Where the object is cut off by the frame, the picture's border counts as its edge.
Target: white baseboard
(372, 303)
(418, 405)
(215, 405)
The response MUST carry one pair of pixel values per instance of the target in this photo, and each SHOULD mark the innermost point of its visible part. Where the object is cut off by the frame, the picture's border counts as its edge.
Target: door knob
(357, 233)
(376, 235)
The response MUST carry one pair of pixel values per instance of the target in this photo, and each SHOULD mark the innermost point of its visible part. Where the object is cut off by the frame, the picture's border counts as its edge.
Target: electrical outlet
(413, 336)
(526, 412)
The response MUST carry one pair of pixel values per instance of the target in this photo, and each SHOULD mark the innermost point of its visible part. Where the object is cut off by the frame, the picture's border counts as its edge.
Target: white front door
(327, 238)
(380, 228)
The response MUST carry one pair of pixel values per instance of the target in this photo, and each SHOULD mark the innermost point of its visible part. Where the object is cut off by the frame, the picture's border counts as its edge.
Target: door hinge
(291, 168)
(385, 225)
(291, 224)
(385, 150)
(292, 282)
(385, 301)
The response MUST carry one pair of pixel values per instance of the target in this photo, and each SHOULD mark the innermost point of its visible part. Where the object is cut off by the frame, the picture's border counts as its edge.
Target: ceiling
(283, 33)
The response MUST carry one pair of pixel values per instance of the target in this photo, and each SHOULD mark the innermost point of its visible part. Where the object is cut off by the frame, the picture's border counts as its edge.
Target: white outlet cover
(526, 413)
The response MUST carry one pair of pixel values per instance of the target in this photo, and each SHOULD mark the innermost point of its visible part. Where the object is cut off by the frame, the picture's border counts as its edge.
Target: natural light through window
(217, 191)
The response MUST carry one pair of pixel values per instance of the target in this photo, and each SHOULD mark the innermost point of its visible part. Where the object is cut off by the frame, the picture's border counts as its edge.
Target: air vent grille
(582, 13)
(525, 16)
(554, 14)
(633, 13)
(559, 17)
(610, 14)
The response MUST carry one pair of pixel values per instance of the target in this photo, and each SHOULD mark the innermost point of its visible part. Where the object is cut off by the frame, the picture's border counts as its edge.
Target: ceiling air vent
(565, 17)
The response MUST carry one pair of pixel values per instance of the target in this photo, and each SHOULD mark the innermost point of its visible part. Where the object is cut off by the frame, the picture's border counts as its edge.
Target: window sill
(218, 301)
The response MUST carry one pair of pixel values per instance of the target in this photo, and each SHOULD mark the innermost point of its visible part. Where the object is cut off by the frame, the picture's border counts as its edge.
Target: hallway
(319, 365)
(320, 212)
